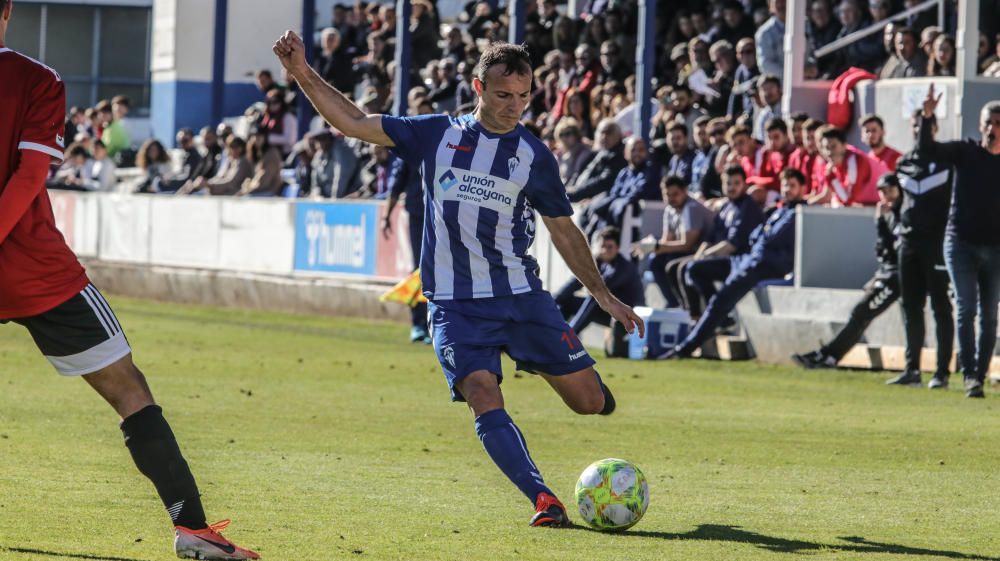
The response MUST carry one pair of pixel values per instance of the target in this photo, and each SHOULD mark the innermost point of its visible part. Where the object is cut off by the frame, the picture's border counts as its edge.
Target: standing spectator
(943, 61)
(620, 276)
(972, 242)
(113, 133)
(771, 256)
(910, 60)
(233, 172)
(927, 186)
(734, 25)
(686, 223)
(120, 108)
(267, 162)
(334, 64)
(682, 159)
(770, 40)
(868, 52)
(804, 158)
(744, 81)
(730, 236)
(599, 174)
(872, 134)
(334, 166)
(880, 293)
(821, 29)
(849, 175)
(769, 94)
(573, 152)
(279, 123)
(639, 180)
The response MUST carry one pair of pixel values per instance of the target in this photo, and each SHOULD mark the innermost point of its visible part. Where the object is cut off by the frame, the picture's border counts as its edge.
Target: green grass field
(331, 439)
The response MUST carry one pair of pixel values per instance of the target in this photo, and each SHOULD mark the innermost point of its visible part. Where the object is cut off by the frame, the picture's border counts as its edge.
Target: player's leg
(913, 296)
(944, 324)
(737, 285)
(583, 392)
(468, 348)
(82, 337)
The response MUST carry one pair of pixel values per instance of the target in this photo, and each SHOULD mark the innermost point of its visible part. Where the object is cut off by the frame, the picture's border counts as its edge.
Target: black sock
(155, 452)
(609, 401)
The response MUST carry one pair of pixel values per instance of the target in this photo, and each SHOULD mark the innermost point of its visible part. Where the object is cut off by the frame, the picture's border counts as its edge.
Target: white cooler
(665, 329)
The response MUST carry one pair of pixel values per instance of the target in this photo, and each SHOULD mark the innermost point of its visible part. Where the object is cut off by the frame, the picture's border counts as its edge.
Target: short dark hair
(703, 120)
(611, 233)
(792, 173)
(765, 78)
(831, 132)
(735, 169)
(514, 58)
(799, 117)
(813, 124)
(678, 126)
(871, 118)
(674, 181)
(121, 100)
(776, 124)
(681, 88)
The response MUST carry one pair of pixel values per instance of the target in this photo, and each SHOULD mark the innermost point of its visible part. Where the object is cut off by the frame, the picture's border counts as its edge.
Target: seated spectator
(121, 106)
(236, 169)
(804, 158)
(850, 175)
(600, 172)
(724, 59)
(573, 152)
(279, 124)
(734, 24)
(684, 107)
(101, 174)
(444, 96)
(619, 274)
(267, 162)
(798, 120)
(189, 166)
(378, 175)
(746, 152)
(76, 122)
(686, 223)
(868, 52)
(155, 163)
(985, 55)
(613, 66)
(927, 36)
(211, 151)
(335, 166)
(730, 235)
(771, 256)
(911, 62)
(266, 83)
(872, 134)
(301, 162)
(768, 106)
(991, 71)
(705, 180)
(777, 150)
(73, 171)
(639, 180)
(943, 61)
(682, 160)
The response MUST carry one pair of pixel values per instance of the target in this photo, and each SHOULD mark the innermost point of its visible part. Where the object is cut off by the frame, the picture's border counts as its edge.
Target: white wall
(253, 27)
(182, 40)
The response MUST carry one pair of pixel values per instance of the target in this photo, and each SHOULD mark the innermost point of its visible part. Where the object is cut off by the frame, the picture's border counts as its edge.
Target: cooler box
(665, 329)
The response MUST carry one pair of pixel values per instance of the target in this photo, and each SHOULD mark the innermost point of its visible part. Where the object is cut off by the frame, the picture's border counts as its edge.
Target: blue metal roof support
(219, 60)
(401, 82)
(308, 33)
(517, 14)
(645, 60)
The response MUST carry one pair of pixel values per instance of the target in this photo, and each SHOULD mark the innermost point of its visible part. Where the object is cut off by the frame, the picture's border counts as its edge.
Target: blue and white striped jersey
(481, 190)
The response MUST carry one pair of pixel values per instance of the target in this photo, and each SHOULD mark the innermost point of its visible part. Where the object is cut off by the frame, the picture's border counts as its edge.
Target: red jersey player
(873, 135)
(44, 288)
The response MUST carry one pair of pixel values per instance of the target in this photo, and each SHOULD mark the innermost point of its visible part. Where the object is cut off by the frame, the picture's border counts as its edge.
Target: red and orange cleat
(549, 512)
(209, 544)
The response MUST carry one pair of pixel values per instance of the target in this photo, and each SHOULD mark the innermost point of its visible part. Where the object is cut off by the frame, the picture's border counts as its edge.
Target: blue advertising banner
(336, 237)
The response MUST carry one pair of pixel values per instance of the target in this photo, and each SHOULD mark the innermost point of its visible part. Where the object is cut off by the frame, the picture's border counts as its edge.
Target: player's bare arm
(573, 248)
(328, 101)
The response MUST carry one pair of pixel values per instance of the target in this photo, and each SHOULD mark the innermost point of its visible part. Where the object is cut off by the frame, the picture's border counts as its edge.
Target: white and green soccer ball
(612, 494)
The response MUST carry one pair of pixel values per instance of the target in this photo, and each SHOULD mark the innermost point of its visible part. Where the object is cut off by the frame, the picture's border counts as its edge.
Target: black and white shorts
(79, 336)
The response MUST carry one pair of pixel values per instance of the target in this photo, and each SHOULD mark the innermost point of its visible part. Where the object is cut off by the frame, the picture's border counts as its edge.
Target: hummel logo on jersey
(459, 147)
(512, 165)
(447, 180)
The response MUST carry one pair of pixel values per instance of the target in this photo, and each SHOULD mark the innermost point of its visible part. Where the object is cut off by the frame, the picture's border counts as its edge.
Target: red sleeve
(45, 118)
(26, 183)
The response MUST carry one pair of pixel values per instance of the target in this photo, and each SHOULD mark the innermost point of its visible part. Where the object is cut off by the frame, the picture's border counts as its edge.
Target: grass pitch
(330, 439)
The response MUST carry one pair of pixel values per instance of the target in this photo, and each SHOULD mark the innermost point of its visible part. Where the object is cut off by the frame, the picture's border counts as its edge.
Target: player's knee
(591, 404)
(482, 392)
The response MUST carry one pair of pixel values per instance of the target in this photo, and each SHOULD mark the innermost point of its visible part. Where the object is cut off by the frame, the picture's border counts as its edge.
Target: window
(100, 51)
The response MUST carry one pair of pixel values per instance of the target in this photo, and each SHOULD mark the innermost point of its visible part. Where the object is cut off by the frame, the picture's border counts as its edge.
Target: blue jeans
(975, 274)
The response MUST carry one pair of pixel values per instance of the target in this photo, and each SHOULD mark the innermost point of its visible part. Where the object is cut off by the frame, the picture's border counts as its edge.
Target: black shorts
(79, 336)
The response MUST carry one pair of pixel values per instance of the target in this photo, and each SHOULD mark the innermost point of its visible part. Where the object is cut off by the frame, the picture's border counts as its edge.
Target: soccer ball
(612, 494)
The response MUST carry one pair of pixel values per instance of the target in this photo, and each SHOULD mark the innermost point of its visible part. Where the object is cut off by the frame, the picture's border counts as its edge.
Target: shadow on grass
(735, 534)
(87, 556)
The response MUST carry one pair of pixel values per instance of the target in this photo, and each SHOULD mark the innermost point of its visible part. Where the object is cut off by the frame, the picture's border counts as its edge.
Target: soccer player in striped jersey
(44, 288)
(484, 177)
